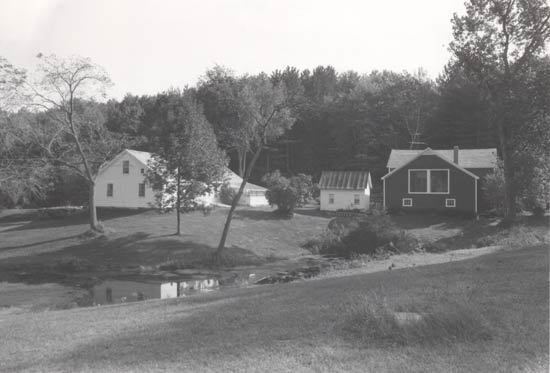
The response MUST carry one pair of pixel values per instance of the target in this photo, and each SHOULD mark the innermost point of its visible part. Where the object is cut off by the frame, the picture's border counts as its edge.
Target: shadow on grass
(38, 221)
(257, 215)
(139, 249)
(38, 243)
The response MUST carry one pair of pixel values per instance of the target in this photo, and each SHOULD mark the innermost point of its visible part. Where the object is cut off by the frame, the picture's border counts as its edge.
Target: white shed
(253, 195)
(345, 190)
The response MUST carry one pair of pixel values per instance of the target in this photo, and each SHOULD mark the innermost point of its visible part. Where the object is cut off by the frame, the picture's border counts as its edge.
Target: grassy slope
(296, 326)
(146, 238)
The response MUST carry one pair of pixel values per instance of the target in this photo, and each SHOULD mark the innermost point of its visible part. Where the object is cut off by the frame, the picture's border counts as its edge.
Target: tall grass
(372, 321)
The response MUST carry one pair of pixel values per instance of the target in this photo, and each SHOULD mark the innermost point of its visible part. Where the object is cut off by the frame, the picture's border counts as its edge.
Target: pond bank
(87, 289)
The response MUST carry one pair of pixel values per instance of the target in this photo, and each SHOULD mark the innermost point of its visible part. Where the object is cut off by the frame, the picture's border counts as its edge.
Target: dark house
(437, 180)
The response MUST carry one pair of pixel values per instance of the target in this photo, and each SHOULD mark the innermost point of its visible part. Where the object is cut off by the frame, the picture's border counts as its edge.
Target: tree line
(56, 129)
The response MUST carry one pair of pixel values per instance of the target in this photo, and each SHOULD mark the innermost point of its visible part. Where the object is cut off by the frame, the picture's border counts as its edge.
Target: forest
(493, 92)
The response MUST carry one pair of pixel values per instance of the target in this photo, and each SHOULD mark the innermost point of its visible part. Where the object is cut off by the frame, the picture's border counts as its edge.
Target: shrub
(372, 321)
(346, 237)
(285, 198)
(288, 193)
(227, 194)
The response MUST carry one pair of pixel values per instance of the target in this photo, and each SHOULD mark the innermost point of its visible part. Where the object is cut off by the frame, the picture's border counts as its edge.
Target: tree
(188, 163)
(219, 92)
(73, 134)
(263, 111)
(497, 42)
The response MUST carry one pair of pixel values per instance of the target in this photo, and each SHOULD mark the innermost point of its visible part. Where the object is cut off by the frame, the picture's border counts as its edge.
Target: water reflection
(114, 291)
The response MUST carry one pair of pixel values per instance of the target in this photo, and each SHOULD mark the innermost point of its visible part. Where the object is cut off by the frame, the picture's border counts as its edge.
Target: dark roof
(352, 180)
(467, 158)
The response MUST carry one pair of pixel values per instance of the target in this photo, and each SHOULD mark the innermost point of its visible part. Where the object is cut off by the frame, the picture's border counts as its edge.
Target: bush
(372, 321)
(346, 237)
(287, 193)
(227, 194)
(285, 198)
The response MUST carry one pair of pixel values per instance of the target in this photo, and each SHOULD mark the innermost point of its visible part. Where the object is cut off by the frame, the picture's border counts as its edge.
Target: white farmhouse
(345, 190)
(120, 182)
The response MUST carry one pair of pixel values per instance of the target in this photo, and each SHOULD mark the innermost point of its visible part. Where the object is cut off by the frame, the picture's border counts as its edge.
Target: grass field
(147, 237)
(298, 326)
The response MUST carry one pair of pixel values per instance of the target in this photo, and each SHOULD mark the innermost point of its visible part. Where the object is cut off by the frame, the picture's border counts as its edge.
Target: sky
(150, 46)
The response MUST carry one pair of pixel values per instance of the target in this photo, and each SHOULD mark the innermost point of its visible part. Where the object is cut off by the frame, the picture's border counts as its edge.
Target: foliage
(499, 44)
(369, 235)
(227, 194)
(288, 193)
(493, 189)
(259, 109)
(188, 163)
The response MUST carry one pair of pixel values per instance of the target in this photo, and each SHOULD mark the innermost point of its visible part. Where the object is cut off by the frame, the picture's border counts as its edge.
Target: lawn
(147, 238)
(298, 326)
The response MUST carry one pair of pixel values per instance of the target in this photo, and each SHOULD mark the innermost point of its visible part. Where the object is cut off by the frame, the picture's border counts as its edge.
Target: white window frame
(356, 199)
(142, 171)
(123, 162)
(331, 199)
(407, 199)
(447, 200)
(428, 180)
(112, 190)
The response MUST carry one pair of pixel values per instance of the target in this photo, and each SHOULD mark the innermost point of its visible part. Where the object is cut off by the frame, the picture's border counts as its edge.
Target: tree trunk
(509, 194)
(178, 200)
(234, 204)
(94, 224)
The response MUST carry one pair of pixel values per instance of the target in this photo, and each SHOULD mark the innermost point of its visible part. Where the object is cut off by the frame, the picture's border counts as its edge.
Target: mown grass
(147, 238)
(299, 326)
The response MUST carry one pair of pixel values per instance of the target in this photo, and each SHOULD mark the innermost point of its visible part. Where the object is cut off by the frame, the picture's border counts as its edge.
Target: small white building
(120, 182)
(253, 195)
(345, 190)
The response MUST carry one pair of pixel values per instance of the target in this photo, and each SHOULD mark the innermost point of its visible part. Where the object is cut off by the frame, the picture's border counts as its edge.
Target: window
(356, 199)
(142, 171)
(418, 181)
(429, 181)
(407, 202)
(439, 181)
(109, 190)
(141, 191)
(450, 202)
(331, 199)
(125, 167)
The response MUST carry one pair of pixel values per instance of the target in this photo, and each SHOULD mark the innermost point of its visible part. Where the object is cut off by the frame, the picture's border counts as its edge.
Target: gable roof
(143, 157)
(349, 180)
(235, 181)
(467, 158)
(429, 151)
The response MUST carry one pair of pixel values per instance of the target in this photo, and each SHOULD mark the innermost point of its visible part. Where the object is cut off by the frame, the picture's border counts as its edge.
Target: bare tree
(74, 136)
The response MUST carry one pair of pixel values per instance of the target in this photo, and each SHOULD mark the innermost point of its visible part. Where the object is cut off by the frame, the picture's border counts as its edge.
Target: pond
(117, 291)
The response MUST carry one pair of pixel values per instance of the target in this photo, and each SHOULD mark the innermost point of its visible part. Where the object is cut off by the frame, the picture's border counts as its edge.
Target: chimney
(455, 154)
